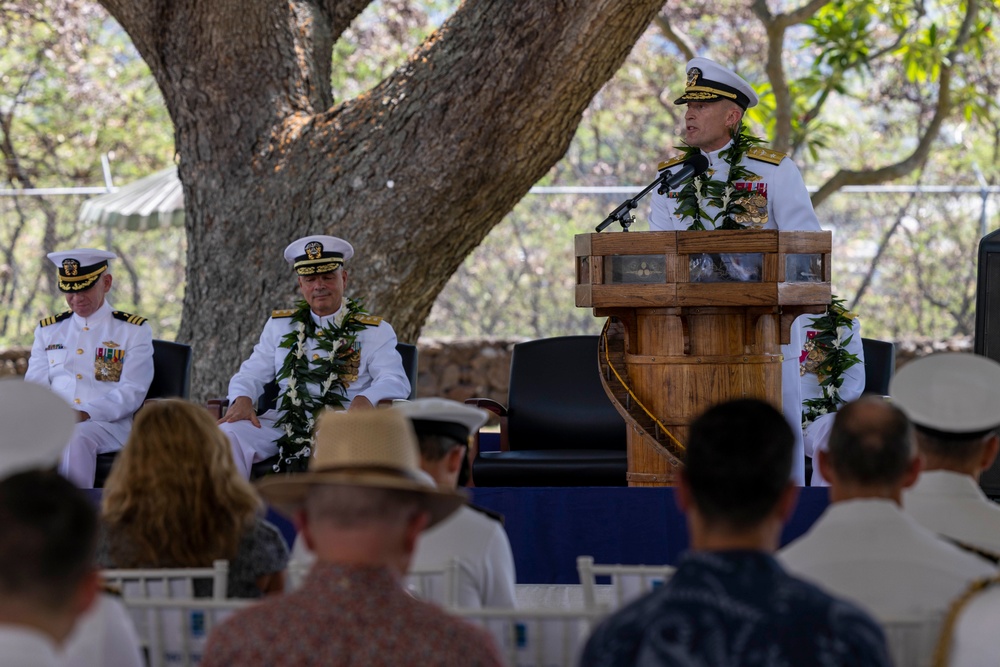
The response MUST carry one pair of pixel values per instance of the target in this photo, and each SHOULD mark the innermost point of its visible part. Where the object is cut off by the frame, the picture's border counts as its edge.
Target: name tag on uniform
(108, 364)
(54, 346)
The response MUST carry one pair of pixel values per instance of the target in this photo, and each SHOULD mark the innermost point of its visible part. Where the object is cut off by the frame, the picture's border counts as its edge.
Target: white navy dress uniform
(872, 553)
(101, 365)
(478, 543)
(955, 397)
(380, 372)
(780, 201)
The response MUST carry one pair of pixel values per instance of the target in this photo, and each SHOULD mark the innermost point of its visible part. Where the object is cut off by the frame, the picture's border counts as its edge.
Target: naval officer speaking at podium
(746, 186)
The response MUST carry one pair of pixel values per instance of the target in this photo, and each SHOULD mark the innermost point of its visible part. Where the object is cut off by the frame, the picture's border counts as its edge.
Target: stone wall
(473, 367)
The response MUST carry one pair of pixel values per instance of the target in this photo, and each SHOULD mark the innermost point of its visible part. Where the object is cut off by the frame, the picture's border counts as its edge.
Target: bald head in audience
(872, 452)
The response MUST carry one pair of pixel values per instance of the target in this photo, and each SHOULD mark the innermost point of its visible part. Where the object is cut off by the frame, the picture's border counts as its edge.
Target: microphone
(693, 166)
(696, 165)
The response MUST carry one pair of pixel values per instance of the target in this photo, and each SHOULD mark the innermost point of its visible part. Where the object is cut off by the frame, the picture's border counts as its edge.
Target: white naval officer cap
(310, 255)
(80, 268)
(950, 395)
(708, 81)
(37, 424)
(441, 416)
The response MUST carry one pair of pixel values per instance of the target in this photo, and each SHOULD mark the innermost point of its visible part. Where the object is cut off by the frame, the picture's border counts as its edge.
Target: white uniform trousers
(79, 459)
(251, 444)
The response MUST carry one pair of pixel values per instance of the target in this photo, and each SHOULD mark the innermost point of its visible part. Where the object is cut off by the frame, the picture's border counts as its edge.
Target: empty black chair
(880, 365)
(171, 378)
(559, 427)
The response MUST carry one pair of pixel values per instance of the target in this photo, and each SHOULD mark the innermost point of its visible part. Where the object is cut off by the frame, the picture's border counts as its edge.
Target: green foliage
(863, 83)
(73, 87)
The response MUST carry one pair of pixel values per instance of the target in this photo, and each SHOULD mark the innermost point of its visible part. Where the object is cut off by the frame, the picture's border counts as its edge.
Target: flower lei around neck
(699, 193)
(331, 368)
(827, 345)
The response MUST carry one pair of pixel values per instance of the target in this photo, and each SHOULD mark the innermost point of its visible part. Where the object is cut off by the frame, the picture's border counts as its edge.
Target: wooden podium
(695, 318)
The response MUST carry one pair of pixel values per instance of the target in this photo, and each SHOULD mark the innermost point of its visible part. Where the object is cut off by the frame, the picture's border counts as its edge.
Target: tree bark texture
(414, 173)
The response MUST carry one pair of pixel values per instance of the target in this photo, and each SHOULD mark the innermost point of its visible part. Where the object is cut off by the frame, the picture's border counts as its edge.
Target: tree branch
(676, 37)
(942, 109)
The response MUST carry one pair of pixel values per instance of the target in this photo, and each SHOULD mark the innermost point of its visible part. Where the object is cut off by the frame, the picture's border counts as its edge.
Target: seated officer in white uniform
(763, 190)
(99, 360)
(476, 541)
(864, 547)
(954, 401)
(327, 352)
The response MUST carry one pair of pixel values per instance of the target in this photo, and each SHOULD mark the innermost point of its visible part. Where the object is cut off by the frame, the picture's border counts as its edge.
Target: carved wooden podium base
(673, 348)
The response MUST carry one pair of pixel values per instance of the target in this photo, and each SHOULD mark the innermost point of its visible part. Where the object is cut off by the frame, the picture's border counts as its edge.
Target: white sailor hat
(80, 268)
(318, 254)
(950, 395)
(37, 424)
(441, 416)
(708, 81)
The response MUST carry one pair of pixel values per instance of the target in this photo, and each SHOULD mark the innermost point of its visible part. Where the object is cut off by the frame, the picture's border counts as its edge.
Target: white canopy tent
(154, 201)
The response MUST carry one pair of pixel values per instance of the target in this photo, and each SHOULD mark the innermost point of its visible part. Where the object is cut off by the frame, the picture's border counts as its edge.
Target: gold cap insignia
(314, 250)
(71, 267)
(693, 74)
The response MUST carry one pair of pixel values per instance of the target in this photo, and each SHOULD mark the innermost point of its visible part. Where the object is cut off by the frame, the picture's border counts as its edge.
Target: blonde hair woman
(175, 499)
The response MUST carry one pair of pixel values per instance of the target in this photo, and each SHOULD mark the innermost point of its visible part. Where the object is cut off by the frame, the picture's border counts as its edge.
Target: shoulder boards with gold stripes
(368, 320)
(128, 317)
(677, 159)
(766, 155)
(52, 319)
(287, 312)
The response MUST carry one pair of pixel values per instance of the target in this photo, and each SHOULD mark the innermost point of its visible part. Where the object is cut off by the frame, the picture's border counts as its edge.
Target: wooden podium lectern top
(695, 318)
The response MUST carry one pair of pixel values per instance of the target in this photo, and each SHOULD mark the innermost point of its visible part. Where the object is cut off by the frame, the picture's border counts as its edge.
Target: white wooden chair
(438, 585)
(536, 637)
(155, 598)
(177, 628)
(627, 582)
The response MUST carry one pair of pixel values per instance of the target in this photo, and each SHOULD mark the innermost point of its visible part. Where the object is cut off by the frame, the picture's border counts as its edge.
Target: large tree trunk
(414, 173)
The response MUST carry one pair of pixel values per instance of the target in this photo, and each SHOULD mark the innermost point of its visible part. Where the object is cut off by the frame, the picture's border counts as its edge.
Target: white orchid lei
(825, 353)
(331, 368)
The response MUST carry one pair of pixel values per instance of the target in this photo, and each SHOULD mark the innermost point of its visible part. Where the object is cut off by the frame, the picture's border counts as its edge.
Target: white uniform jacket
(781, 184)
(380, 374)
(952, 504)
(479, 545)
(872, 553)
(101, 365)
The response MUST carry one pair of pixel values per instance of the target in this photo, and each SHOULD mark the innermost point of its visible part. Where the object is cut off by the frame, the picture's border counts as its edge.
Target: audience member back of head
(864, 547)
(48, 531)
(729, 602)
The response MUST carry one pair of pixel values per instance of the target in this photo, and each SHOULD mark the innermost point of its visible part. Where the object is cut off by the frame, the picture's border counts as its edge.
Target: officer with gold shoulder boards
(325, 353)
(746, 186)
(99, 360)
(768, 185)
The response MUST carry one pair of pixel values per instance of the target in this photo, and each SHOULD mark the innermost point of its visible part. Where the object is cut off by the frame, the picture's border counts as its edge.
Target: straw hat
(35, 425)
(370, 448)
